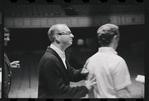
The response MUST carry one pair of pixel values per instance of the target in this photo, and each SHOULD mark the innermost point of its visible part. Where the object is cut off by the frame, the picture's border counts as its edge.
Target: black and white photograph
(74, 51)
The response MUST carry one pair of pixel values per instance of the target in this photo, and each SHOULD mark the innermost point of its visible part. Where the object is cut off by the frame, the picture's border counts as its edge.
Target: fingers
(84, 70)
(94, 83)
(86, 63)
(16, 62)
(85, 66)
(14, 66)
(93, 79)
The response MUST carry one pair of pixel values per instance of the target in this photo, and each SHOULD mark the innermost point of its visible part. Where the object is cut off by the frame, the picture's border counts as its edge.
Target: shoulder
(117, 61)
(118, 58)
(94, 56)
(118, 64)
(47, 58)
(48, 55)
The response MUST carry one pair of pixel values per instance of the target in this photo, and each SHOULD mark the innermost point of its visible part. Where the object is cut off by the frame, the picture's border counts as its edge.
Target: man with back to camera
(109, 69)
(7, 72)
(55, 73)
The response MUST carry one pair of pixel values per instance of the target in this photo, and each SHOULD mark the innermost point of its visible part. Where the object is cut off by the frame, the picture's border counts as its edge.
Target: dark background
(22, 39)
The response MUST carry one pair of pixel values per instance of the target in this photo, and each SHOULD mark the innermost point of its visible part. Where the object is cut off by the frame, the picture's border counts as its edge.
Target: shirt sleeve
(89, 66)
(121, 75)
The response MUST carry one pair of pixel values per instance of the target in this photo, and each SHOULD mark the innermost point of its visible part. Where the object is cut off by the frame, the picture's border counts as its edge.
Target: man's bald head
(57, 28)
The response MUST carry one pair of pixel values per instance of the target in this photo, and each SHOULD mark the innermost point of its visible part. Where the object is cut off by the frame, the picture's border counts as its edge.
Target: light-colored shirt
(110, 70)
(60, 53)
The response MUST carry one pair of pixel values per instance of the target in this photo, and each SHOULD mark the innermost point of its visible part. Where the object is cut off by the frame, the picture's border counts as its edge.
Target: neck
(111, 45)
(62, 48)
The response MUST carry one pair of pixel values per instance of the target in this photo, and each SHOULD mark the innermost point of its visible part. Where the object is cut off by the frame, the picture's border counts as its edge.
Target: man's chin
(5, 44)
(69, 45)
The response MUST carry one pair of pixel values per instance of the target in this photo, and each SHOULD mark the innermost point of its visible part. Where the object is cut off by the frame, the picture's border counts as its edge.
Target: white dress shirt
(60, 53)
(110, 70)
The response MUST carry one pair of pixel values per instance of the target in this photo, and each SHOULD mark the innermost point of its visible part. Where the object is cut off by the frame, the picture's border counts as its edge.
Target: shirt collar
(107, 49)
(58, 51)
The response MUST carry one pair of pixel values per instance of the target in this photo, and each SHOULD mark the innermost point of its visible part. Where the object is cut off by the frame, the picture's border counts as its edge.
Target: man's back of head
(106, 32)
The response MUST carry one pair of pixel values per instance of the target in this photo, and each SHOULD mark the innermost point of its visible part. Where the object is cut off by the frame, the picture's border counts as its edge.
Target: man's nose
(72, 35)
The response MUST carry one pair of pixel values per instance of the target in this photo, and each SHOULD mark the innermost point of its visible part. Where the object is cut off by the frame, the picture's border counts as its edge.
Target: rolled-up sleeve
(121, 75)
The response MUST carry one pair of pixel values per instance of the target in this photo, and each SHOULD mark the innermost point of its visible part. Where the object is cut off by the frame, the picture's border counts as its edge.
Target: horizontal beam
(82, 21)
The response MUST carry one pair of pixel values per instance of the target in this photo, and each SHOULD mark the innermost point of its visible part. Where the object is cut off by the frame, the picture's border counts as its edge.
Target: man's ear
(116, 37)
(57, 38)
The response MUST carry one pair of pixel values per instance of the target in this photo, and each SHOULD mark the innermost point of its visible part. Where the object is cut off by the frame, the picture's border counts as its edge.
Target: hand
(15, 64)
(85, 70)
(86, 63)
(90, 83)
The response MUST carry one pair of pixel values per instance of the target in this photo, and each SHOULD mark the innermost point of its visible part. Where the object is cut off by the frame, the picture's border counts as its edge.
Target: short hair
(106, 32)
(6, 30)
(53, 30)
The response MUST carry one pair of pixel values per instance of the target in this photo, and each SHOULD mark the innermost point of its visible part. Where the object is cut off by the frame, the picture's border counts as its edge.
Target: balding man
(55, 73)
(110, 70)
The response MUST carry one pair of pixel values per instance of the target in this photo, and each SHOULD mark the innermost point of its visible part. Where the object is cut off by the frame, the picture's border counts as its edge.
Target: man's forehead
(63, 28)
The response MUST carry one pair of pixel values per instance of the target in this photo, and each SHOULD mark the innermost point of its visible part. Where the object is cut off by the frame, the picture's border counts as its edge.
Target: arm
(94, 90)
(131, 91)
(136, 90)
(121, 78)
(56, 84)
(123, 93)
(76, 75)
(123, 83)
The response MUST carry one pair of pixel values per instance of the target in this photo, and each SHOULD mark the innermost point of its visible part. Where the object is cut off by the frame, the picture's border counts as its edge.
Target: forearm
(76, 75)
(72, 92)
(136, 90)
(123, 94)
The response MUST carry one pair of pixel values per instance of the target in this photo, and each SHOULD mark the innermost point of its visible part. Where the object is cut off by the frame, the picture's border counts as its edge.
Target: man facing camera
(55, 73)
(7, 72)
(111, 71)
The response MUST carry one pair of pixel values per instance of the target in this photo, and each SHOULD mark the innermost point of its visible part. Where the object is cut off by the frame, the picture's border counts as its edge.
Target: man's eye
(5, 36)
